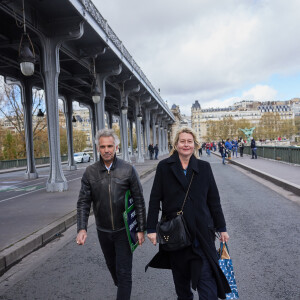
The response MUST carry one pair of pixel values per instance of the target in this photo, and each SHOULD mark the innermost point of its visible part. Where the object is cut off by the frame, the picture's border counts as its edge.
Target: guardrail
(17, 163)
(287, 154)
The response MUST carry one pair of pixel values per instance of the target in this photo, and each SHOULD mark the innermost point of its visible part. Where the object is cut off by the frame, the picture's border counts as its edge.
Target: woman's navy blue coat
(202, 212)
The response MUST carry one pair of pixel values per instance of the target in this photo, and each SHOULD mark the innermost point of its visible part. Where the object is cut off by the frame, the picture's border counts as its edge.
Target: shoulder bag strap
(181, 211)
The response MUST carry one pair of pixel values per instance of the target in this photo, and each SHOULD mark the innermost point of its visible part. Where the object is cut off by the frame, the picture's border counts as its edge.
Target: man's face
(107, 148)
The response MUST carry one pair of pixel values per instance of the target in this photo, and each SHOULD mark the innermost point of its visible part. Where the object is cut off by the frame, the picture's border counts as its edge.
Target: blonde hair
(176, 139)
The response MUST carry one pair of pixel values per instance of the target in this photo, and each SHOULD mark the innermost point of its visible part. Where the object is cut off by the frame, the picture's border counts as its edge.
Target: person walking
(104, 184)
(195, 265)
(228, 147)
(235, 147)
(253, 148)
(241, 147)
(200, 151)
(208, 147)
(151, 151)
(222, 150)
(156, 151)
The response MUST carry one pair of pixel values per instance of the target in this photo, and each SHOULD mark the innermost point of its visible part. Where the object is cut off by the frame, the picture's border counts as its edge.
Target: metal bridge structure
(77, 57)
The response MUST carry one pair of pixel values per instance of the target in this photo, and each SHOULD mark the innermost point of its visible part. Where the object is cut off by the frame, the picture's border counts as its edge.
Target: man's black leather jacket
(106, 190)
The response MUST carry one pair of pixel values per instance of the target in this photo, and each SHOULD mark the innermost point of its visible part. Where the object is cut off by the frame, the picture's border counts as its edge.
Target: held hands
(152, 238)
(224, 237)
(81, 237)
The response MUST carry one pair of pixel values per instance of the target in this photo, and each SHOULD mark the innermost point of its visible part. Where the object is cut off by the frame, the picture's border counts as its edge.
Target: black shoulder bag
(172, 232)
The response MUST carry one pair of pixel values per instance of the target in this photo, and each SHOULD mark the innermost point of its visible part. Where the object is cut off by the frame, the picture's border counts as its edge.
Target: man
(104, 184)
(156, 151)
(253, 148)
(228, 147)
(151, 151)
(235, 147)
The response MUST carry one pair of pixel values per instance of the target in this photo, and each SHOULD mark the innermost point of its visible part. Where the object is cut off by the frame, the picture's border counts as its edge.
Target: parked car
(81, 157)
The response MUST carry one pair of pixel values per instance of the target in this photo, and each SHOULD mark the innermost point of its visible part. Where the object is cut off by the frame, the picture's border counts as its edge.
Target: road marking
(8, 188)
(4, 200)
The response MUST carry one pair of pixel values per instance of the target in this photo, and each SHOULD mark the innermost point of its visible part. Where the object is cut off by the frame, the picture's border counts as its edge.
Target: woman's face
(186, 145)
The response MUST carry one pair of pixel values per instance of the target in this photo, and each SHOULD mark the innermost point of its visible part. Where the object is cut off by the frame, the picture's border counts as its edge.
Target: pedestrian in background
(200, 151)
(195, 265)
(241, 147)
(253, 148)
(208, 147)
(151, 151)
(223, 152)
(156, 151)
(235, 147)
(228, 147)
(104, 184)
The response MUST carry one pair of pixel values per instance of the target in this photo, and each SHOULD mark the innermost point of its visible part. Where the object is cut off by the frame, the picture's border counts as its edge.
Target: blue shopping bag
(225, 264)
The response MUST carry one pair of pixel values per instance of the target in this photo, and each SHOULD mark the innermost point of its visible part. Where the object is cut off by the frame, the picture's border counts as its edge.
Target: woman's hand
(224, 237)
(152, 238)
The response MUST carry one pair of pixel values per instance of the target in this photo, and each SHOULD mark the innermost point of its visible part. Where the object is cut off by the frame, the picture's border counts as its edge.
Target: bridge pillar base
(28, 175)
(56, 186)
(72, 168)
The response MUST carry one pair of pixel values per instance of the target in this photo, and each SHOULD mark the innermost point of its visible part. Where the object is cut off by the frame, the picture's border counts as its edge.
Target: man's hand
(81, 237)
(152, 238)
(141, 238)
(224, 237)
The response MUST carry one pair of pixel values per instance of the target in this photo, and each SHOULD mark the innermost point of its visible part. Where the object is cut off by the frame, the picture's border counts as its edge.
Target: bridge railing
(287, 154)
(17, 163)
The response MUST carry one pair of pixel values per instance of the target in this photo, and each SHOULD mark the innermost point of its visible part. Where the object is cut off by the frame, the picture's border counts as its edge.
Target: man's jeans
(118, 257)
(254, 155)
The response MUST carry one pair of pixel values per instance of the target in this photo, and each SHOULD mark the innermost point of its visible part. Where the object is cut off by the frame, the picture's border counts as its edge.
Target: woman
(198, 263)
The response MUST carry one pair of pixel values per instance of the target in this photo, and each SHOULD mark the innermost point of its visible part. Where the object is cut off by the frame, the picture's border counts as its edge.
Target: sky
(215, 51)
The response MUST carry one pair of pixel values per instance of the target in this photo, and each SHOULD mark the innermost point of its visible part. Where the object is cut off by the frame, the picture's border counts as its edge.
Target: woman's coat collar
(176, 168)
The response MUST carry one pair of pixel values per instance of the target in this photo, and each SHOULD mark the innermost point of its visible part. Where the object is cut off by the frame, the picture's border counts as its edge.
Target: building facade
(252, 111)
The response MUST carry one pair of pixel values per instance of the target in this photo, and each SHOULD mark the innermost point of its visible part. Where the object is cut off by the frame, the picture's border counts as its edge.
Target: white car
(81, 157)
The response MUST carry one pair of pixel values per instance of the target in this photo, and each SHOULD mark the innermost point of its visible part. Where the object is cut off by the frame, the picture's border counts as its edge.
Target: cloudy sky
(214, 51)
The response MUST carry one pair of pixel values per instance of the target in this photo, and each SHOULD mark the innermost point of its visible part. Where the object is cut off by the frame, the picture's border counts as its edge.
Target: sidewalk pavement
(62, 217)
(282, 174)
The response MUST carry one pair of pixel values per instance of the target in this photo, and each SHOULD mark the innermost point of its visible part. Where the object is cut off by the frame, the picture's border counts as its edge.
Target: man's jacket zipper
(109, 192)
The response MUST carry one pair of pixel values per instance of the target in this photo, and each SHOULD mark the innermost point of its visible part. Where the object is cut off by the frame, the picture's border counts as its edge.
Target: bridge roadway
(262, 220)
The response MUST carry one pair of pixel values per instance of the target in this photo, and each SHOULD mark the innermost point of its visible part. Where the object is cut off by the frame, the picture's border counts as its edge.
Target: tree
(12, 110)
(10, 145)
(271, 126)
(79, 140)
(40, 144)
(63, 141)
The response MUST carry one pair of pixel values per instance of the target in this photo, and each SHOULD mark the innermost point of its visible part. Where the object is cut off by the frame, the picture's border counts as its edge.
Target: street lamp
(139, 116)
(96, 93)
(40, 114)
(26, 55)
(124, 108)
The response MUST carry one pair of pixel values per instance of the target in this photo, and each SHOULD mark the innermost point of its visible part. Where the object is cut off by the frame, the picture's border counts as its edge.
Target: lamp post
(96, 93)
(40, 114)
(26, 51)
